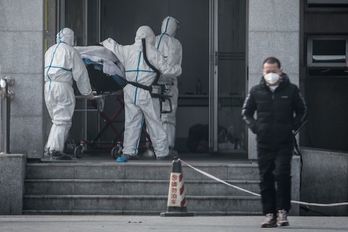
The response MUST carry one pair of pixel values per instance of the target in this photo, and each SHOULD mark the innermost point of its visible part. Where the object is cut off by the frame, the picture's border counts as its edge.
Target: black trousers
(275, 178)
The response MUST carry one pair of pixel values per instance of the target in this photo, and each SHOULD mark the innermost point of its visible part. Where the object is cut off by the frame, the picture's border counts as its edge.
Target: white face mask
(272, 78)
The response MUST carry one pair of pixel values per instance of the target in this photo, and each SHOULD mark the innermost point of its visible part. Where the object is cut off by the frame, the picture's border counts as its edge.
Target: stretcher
(106, 76)
(96, 104)
(107, 79)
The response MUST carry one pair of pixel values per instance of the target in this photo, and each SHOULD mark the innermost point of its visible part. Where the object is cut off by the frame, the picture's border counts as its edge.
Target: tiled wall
(274, 30)
(21, 57)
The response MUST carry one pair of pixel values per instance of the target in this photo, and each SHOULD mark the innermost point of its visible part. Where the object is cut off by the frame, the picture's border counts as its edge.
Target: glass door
(83, 17)
(227, 132)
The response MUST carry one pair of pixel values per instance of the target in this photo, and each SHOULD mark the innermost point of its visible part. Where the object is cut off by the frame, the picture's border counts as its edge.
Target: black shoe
(270, 221)
(57, 155)
(66, 157)
(282, 219)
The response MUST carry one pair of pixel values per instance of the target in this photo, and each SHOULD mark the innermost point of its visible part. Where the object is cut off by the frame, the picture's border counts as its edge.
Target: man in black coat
(280, 110)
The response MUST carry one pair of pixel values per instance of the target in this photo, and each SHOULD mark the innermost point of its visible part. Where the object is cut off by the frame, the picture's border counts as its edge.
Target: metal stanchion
(6, 95)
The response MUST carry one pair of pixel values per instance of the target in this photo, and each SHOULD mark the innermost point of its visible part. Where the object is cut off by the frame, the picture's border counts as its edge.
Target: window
(327, 51)
(327, 3)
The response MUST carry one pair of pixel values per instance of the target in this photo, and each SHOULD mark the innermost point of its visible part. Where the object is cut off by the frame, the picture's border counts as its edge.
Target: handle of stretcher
(99, 96)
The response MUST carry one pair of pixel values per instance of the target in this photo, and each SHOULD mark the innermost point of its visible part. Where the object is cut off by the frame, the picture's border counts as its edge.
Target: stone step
(133, 187)
(137, 188)
(139, 171)
(139, 203)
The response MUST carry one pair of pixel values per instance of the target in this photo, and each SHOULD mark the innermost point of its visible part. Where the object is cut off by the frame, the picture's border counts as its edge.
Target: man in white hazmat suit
(63, 64)
(139, 105)
(171, 48)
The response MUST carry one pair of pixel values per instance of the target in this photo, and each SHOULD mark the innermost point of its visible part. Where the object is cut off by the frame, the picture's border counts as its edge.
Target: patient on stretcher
(105, 72)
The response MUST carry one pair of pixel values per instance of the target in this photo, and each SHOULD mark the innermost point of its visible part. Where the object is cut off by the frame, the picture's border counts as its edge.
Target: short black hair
(272, 60)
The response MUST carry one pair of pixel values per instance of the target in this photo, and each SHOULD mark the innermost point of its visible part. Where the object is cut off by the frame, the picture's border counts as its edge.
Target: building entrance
(213, 82)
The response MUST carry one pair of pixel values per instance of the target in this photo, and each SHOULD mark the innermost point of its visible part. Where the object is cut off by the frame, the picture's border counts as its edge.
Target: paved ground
(163, 224)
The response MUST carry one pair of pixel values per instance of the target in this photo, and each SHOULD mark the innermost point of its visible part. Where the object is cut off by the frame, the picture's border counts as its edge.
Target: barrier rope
(256, 194)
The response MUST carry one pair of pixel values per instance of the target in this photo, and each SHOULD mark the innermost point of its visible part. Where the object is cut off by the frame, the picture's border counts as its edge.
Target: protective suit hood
(169, 26)
(145, 32)
(66, 35)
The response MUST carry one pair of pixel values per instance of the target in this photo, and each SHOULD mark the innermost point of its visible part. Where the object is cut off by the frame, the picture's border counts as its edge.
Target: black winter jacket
(278, 113)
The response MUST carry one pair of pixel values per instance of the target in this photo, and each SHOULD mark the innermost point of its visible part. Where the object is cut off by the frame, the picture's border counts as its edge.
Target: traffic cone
(176, 204)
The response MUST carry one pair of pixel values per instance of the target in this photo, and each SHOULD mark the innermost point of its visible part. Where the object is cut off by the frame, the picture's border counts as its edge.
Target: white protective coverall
(139, 105)
(171, 48)
(63, 64)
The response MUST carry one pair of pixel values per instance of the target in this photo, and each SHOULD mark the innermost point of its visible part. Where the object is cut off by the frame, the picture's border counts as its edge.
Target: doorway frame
(213, 60)
(213, 74)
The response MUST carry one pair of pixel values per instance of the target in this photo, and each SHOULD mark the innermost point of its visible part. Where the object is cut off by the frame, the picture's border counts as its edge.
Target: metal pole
(5, 94)
(3, 114)
(213, 74)
(7, 122)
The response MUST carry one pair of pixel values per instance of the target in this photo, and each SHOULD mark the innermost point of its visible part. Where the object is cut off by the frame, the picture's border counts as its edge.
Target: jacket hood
(145, 32)
(66, 35)
(169, 26)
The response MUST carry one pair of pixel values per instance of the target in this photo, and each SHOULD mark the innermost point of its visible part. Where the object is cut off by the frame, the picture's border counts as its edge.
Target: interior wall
(121, 19)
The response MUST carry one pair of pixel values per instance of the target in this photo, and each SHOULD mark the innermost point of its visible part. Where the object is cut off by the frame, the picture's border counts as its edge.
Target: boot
(282, 219)
(57, 155)
(269, 221)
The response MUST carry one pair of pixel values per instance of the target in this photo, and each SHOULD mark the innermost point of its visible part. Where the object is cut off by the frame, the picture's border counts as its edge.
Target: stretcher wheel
(69, 147)
(78, 151)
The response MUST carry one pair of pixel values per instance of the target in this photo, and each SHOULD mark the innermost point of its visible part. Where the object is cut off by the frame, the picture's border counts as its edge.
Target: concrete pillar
(274, 30)
(21, 57)
(12, 172)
